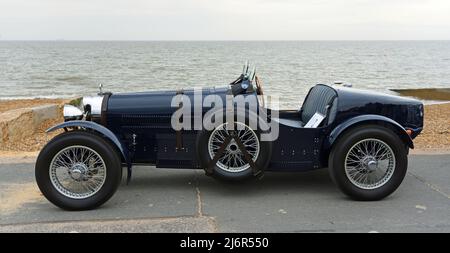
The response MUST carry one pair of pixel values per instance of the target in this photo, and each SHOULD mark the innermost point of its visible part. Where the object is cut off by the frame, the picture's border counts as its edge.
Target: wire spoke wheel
(77, 172)
(232, 159)
(369, 164)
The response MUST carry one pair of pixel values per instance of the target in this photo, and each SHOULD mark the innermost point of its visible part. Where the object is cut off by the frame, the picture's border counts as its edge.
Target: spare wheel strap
(210, 168)
(256, 172)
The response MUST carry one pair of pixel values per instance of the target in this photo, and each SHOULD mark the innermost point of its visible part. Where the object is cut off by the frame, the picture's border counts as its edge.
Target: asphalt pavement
(168, 200)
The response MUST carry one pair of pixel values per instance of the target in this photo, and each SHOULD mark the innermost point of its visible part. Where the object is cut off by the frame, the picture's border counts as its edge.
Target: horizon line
(208, 40)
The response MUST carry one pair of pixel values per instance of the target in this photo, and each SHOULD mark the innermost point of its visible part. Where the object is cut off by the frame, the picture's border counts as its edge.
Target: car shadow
(316, 182)
(272, 183)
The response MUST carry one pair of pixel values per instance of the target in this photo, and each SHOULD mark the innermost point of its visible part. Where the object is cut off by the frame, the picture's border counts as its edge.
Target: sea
(63, 69)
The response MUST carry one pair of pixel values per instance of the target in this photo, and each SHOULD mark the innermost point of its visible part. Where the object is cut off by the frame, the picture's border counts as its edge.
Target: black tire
(205, 159)
(345, 143)
(86, 139)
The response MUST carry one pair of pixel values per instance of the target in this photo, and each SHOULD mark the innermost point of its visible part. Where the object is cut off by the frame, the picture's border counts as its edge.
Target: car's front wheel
(368, 162)
(78, 170)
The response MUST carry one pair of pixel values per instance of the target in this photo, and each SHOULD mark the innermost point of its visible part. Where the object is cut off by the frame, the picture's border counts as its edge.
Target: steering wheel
(259, 86)
(259, 90)
(252, 76)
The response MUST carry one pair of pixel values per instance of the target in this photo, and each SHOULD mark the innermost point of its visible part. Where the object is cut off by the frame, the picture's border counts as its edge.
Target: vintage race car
(362, 137)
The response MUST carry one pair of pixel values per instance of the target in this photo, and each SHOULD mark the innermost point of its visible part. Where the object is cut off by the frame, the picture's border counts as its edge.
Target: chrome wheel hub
(369, 164)
(233, 147)
(232, 159)
(77, 172)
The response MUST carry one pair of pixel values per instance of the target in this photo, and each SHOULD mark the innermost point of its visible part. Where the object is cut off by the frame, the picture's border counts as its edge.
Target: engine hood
(154, 102)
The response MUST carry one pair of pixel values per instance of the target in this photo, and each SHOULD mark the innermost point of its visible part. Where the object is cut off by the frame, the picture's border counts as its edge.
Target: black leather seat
(321, 98)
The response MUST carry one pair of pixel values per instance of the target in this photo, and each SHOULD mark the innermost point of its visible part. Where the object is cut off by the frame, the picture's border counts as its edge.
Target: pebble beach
(434, 138)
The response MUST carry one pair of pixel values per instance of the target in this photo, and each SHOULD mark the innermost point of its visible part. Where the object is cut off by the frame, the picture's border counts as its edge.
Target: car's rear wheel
(78, 170)
(368, 162)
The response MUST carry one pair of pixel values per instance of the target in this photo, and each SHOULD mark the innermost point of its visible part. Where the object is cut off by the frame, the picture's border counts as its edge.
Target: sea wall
(15, 125)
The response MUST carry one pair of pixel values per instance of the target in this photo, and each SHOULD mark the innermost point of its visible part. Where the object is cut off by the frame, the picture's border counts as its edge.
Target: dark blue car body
(139, 126)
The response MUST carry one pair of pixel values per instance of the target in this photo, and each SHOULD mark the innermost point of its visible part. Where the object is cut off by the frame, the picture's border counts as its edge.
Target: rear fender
(373, 119)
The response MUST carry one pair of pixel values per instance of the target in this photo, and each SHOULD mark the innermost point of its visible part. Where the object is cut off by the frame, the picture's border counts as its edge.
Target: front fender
(370, 118)
(98, 128)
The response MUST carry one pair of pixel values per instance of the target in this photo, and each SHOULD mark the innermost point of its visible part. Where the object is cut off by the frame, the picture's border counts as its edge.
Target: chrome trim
(96, 104)
(71, 112)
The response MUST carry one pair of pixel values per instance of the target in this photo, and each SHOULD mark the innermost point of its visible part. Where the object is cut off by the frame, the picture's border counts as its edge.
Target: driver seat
(322, 99)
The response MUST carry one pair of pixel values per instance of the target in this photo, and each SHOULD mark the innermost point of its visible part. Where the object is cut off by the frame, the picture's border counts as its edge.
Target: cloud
(224, 19)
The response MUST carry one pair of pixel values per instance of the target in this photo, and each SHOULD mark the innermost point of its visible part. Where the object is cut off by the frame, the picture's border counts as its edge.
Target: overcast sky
(224, 19)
